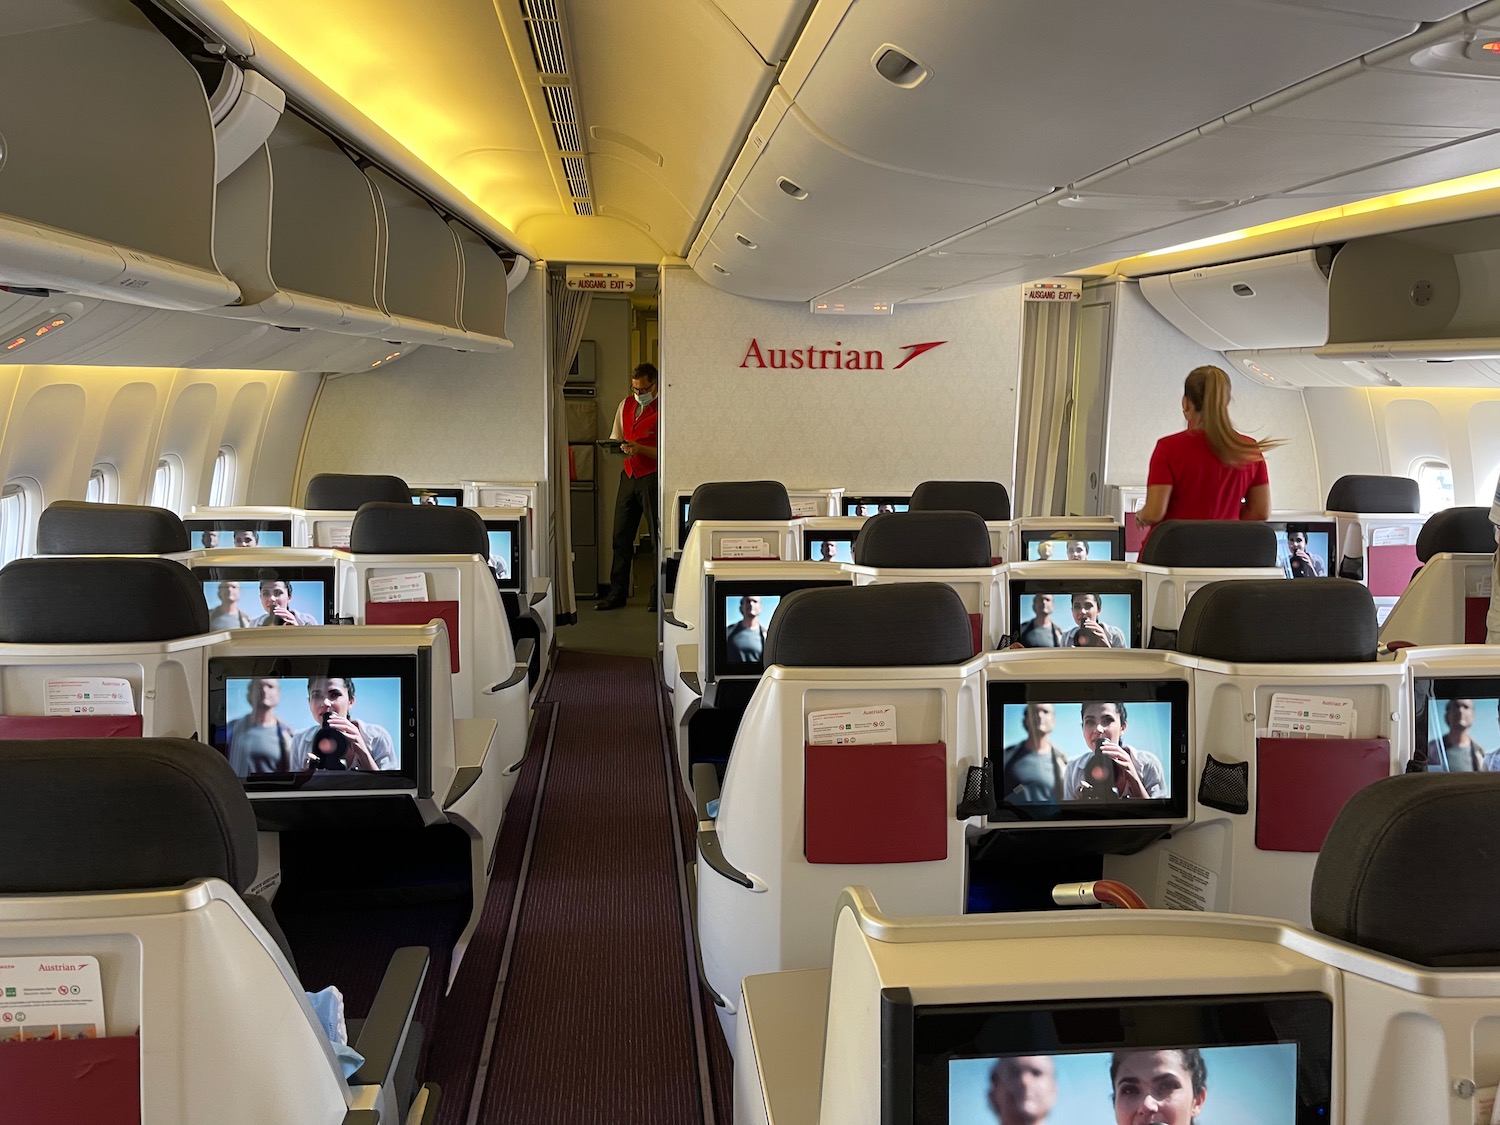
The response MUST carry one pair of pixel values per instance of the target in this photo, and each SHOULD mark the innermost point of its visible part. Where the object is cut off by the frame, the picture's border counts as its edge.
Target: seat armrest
(713, 855)
(690, 681)
(524, 648)
(671, 620)
(538, 597)
(705, 789)
(385, 1028)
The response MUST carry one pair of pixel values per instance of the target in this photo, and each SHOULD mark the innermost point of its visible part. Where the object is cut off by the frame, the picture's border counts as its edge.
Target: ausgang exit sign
(601, 279)
(1054, 289)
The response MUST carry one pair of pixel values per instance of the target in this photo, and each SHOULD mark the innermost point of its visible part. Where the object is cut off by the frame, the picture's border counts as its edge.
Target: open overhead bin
(108, 160)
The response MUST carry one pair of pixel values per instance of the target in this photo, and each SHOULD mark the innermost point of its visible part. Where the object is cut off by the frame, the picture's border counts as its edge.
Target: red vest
(640, 426)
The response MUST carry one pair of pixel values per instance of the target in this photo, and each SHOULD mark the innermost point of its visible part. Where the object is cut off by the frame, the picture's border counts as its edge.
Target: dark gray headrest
(418, 529)
(891, 625)
(1358, 493)
(1376, 885)
(987, 499)
(120, 814)
(739, 500)
(1459, 531)
(1281, 621)
(99, 601)
(949, 540)
(75, 527)
(1210, 543)
(344, 492)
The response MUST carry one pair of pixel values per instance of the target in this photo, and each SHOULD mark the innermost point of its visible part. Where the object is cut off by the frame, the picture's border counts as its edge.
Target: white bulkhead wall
(949, 413)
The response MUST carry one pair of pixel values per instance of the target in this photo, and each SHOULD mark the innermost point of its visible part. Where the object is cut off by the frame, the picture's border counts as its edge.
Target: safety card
(50, 998)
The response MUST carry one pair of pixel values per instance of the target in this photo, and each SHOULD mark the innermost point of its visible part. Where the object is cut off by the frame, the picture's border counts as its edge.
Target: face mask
(644, 397)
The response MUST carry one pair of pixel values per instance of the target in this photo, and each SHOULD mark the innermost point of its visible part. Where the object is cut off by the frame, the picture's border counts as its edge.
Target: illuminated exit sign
(1057, 289)
(601, 279)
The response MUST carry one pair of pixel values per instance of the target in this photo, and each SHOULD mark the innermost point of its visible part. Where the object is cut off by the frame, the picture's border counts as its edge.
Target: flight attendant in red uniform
(1209, 471)
(635, 425)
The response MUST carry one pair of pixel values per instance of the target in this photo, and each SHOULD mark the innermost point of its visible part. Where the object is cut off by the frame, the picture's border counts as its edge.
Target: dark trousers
(637, 495)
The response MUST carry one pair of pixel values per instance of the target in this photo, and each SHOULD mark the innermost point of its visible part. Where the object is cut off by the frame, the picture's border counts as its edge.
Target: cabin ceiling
(781, 148)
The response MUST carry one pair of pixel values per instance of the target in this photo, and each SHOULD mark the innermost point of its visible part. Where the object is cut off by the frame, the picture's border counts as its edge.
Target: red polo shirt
(1203, 487)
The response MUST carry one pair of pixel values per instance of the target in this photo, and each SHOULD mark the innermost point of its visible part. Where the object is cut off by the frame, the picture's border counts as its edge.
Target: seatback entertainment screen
(1084, 544)
(1087, 613)
(208, 535)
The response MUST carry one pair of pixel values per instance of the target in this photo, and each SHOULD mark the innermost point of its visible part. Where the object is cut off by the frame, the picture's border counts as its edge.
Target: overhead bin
(299, 229)
(1296, 368)
(109, 159)
(486, 285)
(419, 284)
(1275, 302)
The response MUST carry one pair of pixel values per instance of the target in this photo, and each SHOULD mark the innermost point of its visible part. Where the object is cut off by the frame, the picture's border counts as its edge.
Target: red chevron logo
(914, 350)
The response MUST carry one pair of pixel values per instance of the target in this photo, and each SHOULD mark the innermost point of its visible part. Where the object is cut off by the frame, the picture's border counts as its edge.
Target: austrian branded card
(1311, 715)
(90, 696)
(742, 547)
(851, 726)
(50, 998)
(399, 587)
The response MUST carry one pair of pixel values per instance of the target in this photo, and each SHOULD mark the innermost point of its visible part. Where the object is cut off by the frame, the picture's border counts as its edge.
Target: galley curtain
(569, 312)
(1044, 436)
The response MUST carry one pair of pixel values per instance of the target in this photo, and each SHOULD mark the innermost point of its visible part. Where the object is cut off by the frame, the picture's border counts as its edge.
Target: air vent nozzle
(796, 191)
(898, 68)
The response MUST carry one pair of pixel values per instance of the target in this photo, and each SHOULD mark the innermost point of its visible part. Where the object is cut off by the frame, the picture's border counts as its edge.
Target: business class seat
(796, 821)
(72, 619)
(1448, 599)
(331, 499)
(1272, 656)
(1184, 555)
(138, 853)
(74, 527)
(987, 499)
(348, 492)
(952, 547)
(1382, 1013)
(449, 547)
(725, 520)
(1377, 520)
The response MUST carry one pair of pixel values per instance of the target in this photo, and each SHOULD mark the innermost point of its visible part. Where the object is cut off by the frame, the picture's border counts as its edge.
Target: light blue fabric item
(328, 1006)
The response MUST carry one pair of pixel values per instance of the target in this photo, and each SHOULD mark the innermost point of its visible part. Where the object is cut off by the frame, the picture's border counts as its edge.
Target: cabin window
(221, 488)
(16, 504)
(104, 485)
(1435, 483)
(166, 485)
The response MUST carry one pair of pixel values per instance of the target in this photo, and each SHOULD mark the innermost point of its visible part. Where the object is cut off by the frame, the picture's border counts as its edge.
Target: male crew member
(1078, 550)
(1033, 768)
(1089, 631)
(1456, 751)
(260, 742)
(369, 745)
(635, 426)
(1300, 562)
(1138, 773)
(276, 600)
(747, 637)
(1041, 631)
(1023, 1089)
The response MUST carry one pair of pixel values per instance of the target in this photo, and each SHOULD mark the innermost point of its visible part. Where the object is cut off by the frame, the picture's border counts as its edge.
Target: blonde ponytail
(1207, 392)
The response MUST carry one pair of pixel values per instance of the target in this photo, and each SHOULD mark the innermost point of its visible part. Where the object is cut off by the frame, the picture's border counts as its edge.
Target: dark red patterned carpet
(598, 1022)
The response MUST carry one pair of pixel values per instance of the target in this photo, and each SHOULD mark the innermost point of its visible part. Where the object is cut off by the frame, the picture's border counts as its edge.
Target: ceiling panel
(1447, 163)
(681, 125)
(851, 200)
(660, 214)
(769, 25)
(1049, 230)
(1007, 101)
